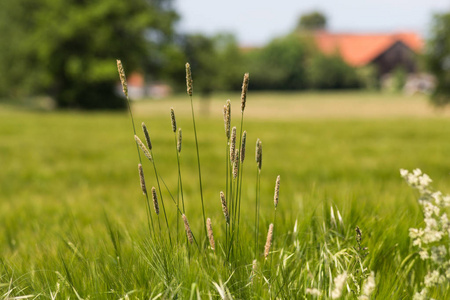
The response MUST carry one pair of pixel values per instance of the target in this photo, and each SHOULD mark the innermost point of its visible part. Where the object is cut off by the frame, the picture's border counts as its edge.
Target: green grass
(71, 210)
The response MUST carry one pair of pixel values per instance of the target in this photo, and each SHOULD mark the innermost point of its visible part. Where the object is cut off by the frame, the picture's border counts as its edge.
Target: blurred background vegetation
(66, 51)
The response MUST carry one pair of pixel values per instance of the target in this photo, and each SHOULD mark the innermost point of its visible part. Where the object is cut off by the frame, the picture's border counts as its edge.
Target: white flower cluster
(339, 282)
(433, 240)
(368, 287)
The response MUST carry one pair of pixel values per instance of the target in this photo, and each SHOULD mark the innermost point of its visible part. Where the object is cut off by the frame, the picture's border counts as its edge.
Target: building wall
(398, 55)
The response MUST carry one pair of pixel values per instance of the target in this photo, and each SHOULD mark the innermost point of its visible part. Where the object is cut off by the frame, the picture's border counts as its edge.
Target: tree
(216, 64)
(438, 57)
(312, 21)
(281, 64)
(67, 49)
(330, 72)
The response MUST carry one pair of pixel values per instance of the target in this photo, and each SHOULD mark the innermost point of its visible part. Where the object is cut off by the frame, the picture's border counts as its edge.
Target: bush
(438, 57)
(330, 72)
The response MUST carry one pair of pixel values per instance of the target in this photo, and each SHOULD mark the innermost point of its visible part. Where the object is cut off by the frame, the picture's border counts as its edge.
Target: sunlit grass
(71, 203)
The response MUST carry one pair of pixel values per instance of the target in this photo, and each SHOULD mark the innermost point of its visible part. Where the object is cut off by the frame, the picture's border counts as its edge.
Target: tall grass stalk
(161, 197)
(190, 91)
(239, 181)
(178, 140)
(177, 153)
(227, 125)
(123, 80)
(258, 158)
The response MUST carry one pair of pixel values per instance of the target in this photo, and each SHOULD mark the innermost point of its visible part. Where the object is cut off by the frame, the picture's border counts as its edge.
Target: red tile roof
(360, 49)
(136, 79)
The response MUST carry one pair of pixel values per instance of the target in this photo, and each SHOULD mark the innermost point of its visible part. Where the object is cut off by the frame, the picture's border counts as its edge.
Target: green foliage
(217, 61)
(368, 76)
(293, 63)
(312, 21)
(438, 57)
(56, 237)
(399, 78)
(281, 64)
(330, 72)
(67, 49)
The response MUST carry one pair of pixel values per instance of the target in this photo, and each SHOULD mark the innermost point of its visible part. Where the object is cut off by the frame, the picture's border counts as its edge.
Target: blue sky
(256, 22)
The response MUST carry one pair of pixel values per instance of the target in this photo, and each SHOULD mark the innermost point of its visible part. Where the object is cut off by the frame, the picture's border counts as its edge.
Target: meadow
(73, 219)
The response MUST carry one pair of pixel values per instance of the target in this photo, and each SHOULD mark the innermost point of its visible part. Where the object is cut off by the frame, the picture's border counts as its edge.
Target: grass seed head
(143, 148)
(225, 118)
(155, 200)
(180, 136)
(210, 234)
(123, 79)
(224, 207)
(268, 241)
(258, 155)
(228, 118)
(254, 269)
(244, 141)
(188, 79)
(142, 179)
(236, 164)
(233, 145)
(188, 229)
(174, 122)
(147, 136)
(277, 192)
(244, 91)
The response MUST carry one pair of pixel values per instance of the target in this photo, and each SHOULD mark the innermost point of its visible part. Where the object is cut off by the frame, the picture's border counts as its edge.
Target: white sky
(256, 22)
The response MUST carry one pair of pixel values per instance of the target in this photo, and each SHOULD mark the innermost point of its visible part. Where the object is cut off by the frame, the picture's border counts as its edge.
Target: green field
(72, 213)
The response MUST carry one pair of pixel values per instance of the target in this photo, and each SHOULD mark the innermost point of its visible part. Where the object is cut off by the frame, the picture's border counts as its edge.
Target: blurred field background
(338, 113)
(64, 172)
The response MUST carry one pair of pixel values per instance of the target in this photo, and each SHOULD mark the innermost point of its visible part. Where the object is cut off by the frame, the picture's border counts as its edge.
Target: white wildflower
(446, 200)
(313, 292)
(437, 196)
(404, 172)
(339, 282)
(432, 278)
(424, 180)
(432, 239)
(424, 255)
(438, 254)
(445, 222)
(431, 224)
(368, 287)
(422, 295)
(417, 172)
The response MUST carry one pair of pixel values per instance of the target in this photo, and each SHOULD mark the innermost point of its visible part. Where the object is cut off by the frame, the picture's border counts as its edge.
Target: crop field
(74, 223)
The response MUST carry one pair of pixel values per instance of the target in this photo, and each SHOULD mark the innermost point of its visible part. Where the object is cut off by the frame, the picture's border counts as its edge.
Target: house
(138, 89)
(386, 51)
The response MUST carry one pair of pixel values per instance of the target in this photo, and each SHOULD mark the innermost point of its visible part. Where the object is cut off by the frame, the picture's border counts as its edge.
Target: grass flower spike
(268, 241)
(244, 141)
(122, 77)
(174, 121)
(277, 192)
(188, 79)
(233, 145)
(155, 200)
(224, 207)
(142, 179)
(180, 136)
(228, 118)
(147, 136)
(244, 91)
(188, 229)
(210, 234)
(143, 148)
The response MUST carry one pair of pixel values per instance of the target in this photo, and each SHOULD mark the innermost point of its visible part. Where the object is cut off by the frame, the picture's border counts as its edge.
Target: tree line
(67, 50)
